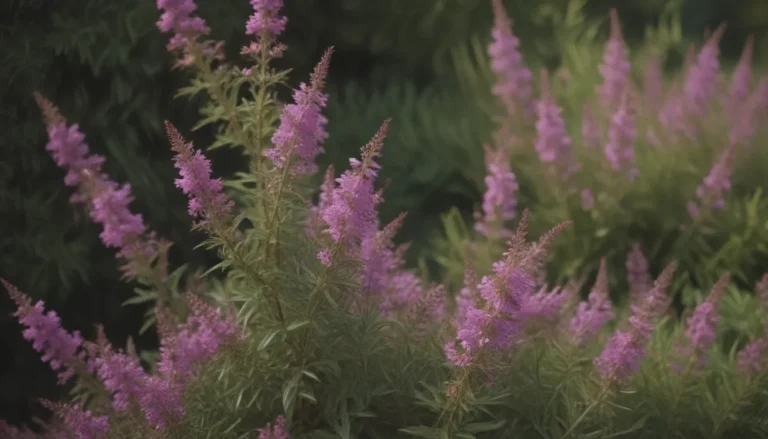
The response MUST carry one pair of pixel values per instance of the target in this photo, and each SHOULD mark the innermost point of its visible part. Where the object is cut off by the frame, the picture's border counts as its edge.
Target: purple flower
(553, 145)
(266, 18)
(274, 431)
(110, 209)
(514, 86)
(80, 421)
(499, 200)
(752, 358)
(121, 374)
(622, 134)
(545, 304)
(70, 152)
(637, 273)
(177, 19)
(302, 125)
(160, 401)
(595, 312)
(673, 115)
(701, 84)
(711, 192)
(59, 347)
(615, 67)
(701, 332)
(195, 341)
(314, 220)
(206, 199)
(739, 90)
(351, 213)
(624, 351)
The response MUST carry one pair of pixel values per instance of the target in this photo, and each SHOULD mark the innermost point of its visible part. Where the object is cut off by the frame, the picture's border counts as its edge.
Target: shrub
(314, 327)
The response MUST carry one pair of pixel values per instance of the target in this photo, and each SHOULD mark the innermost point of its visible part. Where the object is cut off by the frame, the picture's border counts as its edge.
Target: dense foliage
(311, 325)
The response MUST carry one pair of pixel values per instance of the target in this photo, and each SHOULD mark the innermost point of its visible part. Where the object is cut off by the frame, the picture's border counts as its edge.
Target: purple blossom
(673, 115)
(711, 192)
(701, 83)
(110, 209)
(351, 212)
(495, 319)
(624, 351)
(553, 145)
(514, 86)
(595, 312)
(739, 90)
(314, 220)
(545, 304)
(615, 67)
(752, 358)
(622, 134)
(274, 431)
(701, 332)
(302, 125)
(80, 421)
(177, 19)
(499, 200)
(195, 341)
(266, 18)
(160, 401)
(206, 199)
(59, 347)
(637, 273)
(121, 374)
(67, 147)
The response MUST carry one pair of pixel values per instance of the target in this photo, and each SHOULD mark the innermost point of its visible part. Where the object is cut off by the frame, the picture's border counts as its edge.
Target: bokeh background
(103, 62)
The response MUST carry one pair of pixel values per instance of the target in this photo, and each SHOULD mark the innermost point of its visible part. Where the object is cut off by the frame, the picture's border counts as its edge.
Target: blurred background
(104, 63)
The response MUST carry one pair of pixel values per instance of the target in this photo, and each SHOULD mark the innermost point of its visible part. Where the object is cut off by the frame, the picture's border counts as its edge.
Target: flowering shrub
(669, 165)
(314, 327)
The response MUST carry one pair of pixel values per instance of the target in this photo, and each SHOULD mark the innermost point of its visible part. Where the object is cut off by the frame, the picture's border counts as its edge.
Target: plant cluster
(312, 326)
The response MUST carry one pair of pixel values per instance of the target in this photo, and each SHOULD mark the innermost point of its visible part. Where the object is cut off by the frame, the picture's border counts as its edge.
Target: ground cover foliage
(310, 324)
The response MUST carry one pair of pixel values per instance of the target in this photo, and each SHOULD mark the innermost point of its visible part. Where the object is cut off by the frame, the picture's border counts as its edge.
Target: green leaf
(479, 427)
(422, 431)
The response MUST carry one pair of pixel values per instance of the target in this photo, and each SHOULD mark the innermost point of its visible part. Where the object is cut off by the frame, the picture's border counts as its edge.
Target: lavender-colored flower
(351, 213)
(637, 273)
(622, 134)
(160, 401)
(673, 115)
(590, 132)
(110, 209)
(553, 145)
(652, 84)
(59, 347)
(625, 350)
(495, 320)
(595, 312)
(206, 199)
(468, 297)
(514, 86)
(615, 67)
(195, 341)
(274, 431)
(701, 83)
(314, 219)
(711, 192)
(739, 90)
(177, 19)
(753, 358)
(266, 18)
(121, 374)
(302, 125)
(67, 147)
(702, 324)
(499, 201)
(545, 305)
(81, 422)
